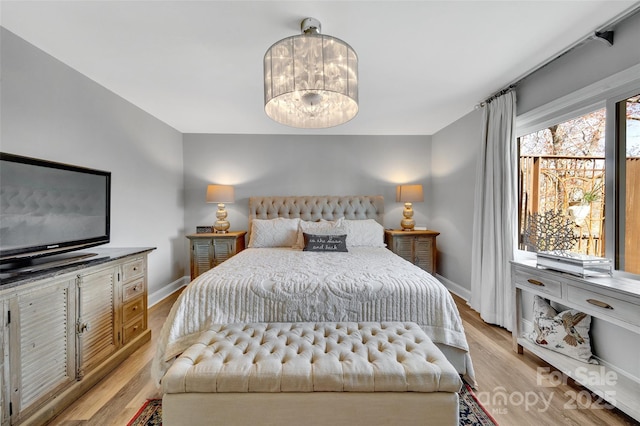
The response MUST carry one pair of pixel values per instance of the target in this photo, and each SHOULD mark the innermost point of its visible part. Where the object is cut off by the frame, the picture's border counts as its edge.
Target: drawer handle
(600, 304)
(535, 282)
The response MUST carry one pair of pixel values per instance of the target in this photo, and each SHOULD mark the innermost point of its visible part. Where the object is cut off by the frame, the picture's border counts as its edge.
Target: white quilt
(289, 285)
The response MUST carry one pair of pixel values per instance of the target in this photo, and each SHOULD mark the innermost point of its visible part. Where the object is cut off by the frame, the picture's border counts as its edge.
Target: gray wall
(51, 111)
(586, 64)
(455, 151)
(302, 165)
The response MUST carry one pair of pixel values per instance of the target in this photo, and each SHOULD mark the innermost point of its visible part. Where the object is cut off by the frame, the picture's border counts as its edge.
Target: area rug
(472, 413)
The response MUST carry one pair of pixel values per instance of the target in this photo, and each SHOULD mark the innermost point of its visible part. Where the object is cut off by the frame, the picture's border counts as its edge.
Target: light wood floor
(506, 382)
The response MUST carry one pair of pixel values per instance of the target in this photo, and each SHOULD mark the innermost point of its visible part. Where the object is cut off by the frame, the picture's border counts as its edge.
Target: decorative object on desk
(566, 332)
(311, 80)
(550, 230)
(582, 265)
(204, 229)
(408, 194)
(220, 194)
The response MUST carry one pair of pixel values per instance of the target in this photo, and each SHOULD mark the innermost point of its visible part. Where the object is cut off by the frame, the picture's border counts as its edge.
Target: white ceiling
(197, 65)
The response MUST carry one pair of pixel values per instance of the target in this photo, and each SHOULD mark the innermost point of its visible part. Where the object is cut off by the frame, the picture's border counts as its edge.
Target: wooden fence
(573, 188)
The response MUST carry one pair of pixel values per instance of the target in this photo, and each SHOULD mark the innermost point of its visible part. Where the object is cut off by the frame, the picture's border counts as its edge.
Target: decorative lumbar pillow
(566, 332)
(364, 233)
(330, 243)
(322, 227)
(279, 232)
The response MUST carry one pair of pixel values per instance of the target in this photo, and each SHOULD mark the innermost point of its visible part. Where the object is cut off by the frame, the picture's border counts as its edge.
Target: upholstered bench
(347, 373)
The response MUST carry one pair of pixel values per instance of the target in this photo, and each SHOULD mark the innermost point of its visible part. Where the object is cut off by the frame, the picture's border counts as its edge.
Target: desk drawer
(539, 283)
(606, 306)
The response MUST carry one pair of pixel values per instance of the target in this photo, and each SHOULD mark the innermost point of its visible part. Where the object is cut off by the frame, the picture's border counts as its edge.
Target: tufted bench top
(312, 357)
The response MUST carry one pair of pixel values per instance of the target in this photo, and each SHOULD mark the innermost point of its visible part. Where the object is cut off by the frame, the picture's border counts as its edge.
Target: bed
(275, 280)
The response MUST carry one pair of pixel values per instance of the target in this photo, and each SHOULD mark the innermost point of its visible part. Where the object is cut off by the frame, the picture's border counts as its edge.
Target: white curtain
(495, 213)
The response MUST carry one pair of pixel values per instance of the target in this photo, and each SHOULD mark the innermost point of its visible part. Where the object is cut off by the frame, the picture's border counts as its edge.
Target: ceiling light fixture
(311, 80)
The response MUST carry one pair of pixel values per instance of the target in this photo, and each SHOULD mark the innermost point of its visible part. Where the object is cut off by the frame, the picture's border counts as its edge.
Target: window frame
(606, 93)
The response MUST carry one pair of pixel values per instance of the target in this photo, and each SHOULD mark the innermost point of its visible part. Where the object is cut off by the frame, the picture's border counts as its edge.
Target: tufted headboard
(314, 208)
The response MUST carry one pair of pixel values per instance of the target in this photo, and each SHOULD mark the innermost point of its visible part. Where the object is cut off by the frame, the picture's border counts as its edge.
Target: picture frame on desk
(204, 229)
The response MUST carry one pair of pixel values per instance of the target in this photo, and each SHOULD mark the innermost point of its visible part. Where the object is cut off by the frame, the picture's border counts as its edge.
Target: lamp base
(222, 224)
(407, 222)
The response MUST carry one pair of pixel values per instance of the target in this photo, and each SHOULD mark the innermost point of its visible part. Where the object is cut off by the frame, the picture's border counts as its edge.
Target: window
(628, 141)
(579, 183)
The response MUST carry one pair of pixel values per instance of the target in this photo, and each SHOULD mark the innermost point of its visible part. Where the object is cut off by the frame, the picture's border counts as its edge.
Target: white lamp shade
(220, 194)
(311, 81)
(409, 193)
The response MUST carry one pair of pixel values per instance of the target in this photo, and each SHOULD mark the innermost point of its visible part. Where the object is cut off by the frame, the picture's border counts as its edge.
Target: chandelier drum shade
(311, 80)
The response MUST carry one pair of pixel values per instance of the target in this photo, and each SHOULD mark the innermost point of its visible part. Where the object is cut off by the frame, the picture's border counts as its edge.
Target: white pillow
(323, 227)
(279, 232)
(364, 233)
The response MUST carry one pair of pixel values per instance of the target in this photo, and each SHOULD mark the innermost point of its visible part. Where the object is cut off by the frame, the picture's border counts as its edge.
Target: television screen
(48, 208)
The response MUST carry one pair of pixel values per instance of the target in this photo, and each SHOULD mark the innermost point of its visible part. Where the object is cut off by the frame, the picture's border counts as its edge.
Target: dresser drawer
(606, 306)
(133, 290)
(132, 309)
(133, 269)
(133, 329)
(539, 283)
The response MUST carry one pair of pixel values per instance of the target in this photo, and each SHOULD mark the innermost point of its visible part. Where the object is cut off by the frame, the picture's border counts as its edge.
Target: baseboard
(167, 290)
(455, 288)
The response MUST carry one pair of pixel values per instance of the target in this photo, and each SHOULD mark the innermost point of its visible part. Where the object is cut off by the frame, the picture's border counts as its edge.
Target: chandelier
(311, 80)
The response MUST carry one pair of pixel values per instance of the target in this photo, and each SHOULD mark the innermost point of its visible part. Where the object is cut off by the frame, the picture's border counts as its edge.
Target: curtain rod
(606, 26)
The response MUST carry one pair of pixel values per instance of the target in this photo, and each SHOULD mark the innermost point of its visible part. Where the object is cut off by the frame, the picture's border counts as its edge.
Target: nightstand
(418, 247)
(210, 250)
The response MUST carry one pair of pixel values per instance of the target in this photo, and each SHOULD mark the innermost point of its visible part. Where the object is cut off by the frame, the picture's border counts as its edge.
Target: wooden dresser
(208, 250)
(66, 326)
(418, 247)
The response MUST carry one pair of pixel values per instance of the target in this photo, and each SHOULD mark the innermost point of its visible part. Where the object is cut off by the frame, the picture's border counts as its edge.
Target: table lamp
(408, 194)
(220, 194)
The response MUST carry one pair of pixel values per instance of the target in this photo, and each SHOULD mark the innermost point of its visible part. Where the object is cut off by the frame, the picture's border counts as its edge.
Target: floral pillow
(566, 332)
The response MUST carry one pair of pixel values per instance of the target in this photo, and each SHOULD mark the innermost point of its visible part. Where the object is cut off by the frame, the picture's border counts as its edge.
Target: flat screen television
(48, 208)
